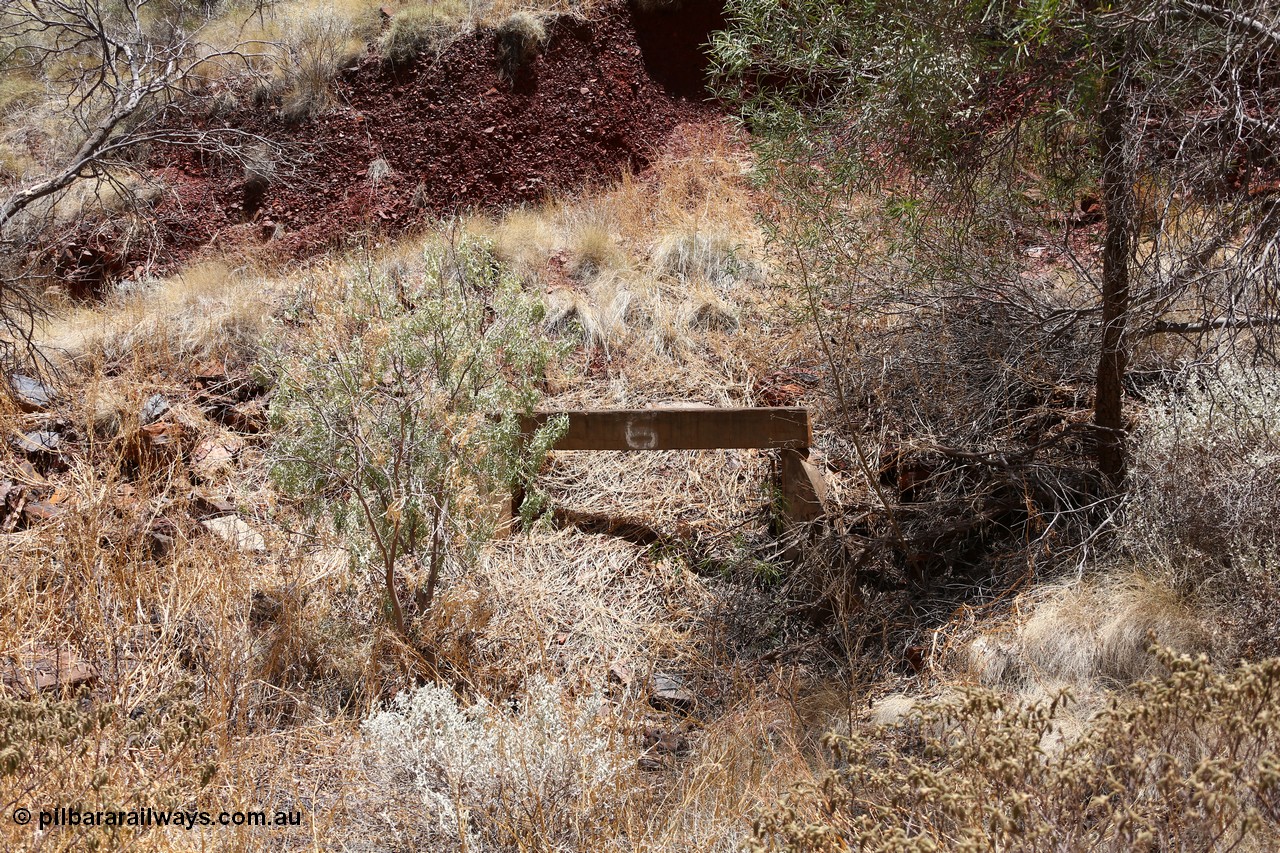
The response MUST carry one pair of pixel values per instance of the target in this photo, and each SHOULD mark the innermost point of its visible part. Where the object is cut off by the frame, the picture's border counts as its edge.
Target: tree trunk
(1117, 193)
(397, 613)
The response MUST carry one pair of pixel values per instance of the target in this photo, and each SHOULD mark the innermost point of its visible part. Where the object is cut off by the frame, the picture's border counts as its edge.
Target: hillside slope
(451, 133)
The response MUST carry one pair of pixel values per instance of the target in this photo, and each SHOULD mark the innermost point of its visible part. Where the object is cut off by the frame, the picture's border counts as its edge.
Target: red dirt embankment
(452, 133)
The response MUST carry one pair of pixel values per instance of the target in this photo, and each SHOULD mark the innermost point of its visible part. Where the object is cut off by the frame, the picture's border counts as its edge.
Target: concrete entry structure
(801, 486)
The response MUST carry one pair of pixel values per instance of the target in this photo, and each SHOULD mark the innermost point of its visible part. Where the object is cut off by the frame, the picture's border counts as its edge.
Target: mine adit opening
(673, 36)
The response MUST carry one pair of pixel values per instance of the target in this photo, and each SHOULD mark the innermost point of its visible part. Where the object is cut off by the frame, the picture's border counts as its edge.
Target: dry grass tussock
(1208, 462)
(422, 30)
(207, 312)
(237, 672)
(520, 38)
(231, 672)
(1091, 638)
(559, 771)
(566, 604)
(659, 277)
(1092, 634)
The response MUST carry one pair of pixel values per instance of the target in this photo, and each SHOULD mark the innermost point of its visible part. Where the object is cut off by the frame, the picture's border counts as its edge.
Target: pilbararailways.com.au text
(149, 817)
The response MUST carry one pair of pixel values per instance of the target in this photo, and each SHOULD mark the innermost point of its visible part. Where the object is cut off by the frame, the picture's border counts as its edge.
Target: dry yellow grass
(1091, 636)
(207, 312)
(1102, 631)
(260, 666)
(647, 275)
(282, 652)
(281, 687)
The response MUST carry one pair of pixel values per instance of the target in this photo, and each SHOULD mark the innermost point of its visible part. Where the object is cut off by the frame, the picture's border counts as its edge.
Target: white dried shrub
(538, 774)
(1206, 472)
(1186, 761)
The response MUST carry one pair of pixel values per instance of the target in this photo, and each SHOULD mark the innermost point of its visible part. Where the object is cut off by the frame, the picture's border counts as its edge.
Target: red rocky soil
(455, 133)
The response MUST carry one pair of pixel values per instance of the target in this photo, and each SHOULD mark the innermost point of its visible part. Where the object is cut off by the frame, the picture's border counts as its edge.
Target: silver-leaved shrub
(538, 773)
(405, 431)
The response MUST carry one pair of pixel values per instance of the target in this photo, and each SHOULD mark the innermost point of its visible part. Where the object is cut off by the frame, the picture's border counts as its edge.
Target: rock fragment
(237, 533)
(668, 693)
(153, 410)
(210, 505)
(663, 740)
(249, 416)
(214, 455)
(37, 511)
(32, 394)
(39, 443)
(622, 674)
(47, 670)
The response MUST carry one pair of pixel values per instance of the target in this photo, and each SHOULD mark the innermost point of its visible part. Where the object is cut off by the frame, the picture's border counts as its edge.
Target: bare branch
(119, 78)
(1207, 324)
(1219, 15)
(132, 70)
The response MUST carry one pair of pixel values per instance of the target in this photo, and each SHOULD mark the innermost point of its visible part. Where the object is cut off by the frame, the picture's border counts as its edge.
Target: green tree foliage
(406, 433)
(924, 157)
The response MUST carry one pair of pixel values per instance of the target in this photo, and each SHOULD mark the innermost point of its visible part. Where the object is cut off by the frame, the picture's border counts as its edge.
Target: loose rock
(162, 544)
(37, 511)
(157, 443)
(39, 443)
(153, 410)
(665, 741)
(669, 693)
(208, 506)
(211, 371)
(250, 416)
(236, 532)
(622, 674)
(32, 394)
(214, 455)
(48, 670)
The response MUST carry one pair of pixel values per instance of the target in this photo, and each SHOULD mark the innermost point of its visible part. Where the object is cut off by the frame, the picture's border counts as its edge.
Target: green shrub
(419, 29)
(1188, 762)
(405, 433)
